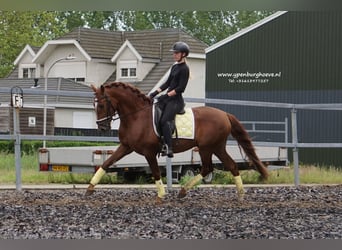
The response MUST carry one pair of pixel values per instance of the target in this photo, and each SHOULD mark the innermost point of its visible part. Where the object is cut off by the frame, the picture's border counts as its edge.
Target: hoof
(241, 197)
(159, 201)
(90, 190)
(182, 193)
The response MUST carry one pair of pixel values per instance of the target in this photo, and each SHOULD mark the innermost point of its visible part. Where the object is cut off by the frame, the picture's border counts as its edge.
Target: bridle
(109, 116)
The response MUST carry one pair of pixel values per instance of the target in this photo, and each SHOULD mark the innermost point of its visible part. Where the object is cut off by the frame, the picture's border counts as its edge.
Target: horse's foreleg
(117, 155)
(160, 190)
(94, 181)
(152, 161)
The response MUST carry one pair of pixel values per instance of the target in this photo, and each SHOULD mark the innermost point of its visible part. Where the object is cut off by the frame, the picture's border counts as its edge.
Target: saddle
(157, 116)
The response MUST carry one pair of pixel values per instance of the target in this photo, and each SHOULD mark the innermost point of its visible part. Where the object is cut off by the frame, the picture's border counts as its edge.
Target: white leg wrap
(97, 177)
(239, 185)
(193, 182)
(160, 188)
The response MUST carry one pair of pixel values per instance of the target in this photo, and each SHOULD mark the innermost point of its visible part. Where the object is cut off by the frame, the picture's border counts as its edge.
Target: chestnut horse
(136, 133)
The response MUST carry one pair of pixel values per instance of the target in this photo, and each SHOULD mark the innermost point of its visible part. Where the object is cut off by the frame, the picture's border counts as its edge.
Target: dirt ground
(304, 212)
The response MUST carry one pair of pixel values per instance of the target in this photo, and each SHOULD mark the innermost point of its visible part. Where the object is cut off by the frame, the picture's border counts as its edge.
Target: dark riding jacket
(178, 78)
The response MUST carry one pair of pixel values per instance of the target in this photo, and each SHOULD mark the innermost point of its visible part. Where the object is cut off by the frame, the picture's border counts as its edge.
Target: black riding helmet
(181, 47)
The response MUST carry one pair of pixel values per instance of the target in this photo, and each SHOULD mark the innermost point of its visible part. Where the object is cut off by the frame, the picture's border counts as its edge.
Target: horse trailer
(130, 167)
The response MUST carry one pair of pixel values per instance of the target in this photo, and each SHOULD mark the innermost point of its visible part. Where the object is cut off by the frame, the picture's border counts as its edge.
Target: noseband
(109, 117)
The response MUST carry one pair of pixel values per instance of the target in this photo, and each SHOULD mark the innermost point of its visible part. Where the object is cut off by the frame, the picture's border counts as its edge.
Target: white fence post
(169, 172)
(295, 148)
(17, 150)
(17, 101)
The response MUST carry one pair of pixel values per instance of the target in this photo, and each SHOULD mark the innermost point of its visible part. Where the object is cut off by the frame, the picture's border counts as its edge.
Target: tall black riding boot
(167, 133)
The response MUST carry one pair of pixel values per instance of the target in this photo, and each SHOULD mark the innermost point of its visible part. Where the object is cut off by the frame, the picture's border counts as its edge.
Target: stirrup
(166, 151)
(182, 112)
(163, 150)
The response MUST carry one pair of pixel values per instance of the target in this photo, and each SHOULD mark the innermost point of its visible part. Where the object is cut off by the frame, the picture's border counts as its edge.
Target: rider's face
(177, 56)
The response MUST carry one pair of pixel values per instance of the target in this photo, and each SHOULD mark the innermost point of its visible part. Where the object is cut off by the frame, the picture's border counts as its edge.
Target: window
(124, 72)
(80, 79)
(133, 72)
(128, 68)
(29, 73)
(77, 79)
(25, 73)
(128, 72)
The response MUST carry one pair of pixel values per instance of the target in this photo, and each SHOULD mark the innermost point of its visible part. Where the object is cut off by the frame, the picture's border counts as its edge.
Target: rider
(172, 102)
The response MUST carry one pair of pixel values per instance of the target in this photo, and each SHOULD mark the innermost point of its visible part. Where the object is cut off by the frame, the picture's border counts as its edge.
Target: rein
(132, 113)
(110, 117)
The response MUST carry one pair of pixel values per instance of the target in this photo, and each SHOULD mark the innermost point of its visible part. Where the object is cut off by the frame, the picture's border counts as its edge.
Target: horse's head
(105, 108)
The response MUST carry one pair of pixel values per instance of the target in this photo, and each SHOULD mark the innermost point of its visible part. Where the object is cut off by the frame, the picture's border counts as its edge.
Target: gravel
(304, 212)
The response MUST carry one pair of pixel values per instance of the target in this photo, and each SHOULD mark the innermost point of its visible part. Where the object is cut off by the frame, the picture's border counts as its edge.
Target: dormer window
(128, 68)
(28, 71)
(128, 72)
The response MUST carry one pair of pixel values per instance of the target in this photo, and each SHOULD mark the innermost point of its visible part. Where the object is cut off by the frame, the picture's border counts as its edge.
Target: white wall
(99, 71)
(94, 71)
(60, 52)
(68, 118)
(196, 84)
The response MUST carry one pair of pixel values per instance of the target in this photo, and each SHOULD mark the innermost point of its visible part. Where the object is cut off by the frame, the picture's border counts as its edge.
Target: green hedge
(31, 147)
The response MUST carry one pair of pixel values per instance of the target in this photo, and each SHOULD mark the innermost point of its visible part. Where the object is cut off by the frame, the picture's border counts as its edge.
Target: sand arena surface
(305, 212)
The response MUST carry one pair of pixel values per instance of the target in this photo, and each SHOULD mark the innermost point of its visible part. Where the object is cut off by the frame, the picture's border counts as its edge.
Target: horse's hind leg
(206, 169)
(230, 165)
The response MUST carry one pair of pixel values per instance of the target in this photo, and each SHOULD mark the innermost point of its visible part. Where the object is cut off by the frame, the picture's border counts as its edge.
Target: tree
(20, 28)
(208, 26)
(36, 27)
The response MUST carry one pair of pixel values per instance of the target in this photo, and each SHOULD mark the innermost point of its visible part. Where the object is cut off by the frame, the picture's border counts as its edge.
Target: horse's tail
(243, 139)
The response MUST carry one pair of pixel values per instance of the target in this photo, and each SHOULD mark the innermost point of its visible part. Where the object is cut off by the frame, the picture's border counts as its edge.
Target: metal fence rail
(294, 144)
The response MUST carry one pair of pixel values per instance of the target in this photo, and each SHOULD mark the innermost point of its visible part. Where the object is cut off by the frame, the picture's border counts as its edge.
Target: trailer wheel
(189, 171)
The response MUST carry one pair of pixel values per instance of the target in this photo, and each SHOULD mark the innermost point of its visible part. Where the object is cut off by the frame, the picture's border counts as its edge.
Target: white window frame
(31, 70)
(130, 66)
(77, 79)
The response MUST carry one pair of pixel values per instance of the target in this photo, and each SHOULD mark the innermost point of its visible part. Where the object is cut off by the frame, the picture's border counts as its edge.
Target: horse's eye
(98, 105)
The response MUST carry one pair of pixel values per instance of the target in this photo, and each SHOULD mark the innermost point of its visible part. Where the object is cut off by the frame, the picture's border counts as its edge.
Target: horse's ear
(93, 87)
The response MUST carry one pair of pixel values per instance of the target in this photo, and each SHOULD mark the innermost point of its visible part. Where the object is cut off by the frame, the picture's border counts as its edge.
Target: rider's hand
(153, 94)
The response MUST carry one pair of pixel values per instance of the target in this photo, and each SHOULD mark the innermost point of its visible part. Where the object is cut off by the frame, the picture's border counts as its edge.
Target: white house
(142, 58)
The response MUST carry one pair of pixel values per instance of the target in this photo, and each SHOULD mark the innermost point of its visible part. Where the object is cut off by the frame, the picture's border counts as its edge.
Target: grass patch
(31, 175)
(308, 174)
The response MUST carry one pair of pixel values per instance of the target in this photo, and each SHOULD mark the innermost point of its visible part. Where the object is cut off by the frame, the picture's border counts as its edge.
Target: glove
(153, 94)
(163, 98)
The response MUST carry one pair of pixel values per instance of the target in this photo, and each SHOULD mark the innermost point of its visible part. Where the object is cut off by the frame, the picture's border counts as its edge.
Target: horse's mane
(129, 87)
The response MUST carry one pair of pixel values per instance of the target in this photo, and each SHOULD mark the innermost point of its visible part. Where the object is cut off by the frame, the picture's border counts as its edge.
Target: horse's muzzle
(104, 124)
